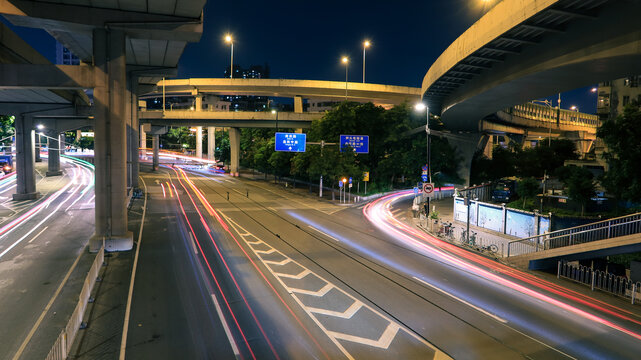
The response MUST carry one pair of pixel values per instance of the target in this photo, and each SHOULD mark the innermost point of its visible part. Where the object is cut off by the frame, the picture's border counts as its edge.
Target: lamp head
(366, 43)
(345, 60)
(228, 38)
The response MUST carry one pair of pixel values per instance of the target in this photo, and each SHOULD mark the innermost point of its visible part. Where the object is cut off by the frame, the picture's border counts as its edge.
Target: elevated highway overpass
(524, 50)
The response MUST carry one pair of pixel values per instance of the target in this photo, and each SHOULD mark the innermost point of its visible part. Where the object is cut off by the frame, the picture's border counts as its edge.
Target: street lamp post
(345, 60)
(366, 44)
(420, 107)
(230, 40)
(276, 113)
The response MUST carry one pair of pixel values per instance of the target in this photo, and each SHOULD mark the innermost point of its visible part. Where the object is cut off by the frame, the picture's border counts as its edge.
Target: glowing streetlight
(420, 107)
(345, 60)
(230, 40)
(574, 108)
(594, 89)
(274, 112)
(366, 44)
(40, 126)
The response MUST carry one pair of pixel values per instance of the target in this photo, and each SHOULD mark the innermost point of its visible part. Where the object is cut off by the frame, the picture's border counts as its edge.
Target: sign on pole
(366, 176)
(358, 143)
(340, 184)
(350, 182)
(424, 177)
(428, 188)
(290, 142)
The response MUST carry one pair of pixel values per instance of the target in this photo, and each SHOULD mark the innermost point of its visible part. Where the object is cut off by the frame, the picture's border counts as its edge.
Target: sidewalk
(484, 237)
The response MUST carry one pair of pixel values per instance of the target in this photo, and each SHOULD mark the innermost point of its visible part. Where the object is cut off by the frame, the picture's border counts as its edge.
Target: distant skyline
(306, 40)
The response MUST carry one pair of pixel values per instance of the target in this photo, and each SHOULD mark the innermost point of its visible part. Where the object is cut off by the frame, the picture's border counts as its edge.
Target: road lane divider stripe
(193, 242)
(495, 317)
(38, 234)
(324, 233)
(47, 307)
(230, 338)
(125, 326)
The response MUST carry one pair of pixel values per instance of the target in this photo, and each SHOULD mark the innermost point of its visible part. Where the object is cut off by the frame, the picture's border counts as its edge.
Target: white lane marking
(387, 335)
(495, 317)
(267, 252)
(232, 342)
(297, 276)
(46, 309)
(347, 314)
(324, 233)
(383, 342)
(125, 326)
(280, 263)
(193, 242)
(318, 293)
(38, 234)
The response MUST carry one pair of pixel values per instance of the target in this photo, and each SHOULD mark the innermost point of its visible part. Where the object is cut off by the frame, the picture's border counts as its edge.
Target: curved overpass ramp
(335, 90)
(527, 49)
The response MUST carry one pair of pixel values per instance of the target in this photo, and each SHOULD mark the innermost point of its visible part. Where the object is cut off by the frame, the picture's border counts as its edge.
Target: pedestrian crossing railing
(600, 230)
(600, 280)
(62, 346)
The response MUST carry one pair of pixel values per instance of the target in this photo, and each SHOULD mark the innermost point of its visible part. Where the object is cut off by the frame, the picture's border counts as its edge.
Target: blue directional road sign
(350, 180)
(415, 190)
(340, 184)
(290, 142)
(424, 178)
(359, 143)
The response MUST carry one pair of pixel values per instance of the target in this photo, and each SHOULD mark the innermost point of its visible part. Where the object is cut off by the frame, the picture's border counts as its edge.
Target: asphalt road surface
(40, 241)
(234, 267)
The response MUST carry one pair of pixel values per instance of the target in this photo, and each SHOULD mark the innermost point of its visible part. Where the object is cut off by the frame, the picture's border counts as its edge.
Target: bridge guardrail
(548, 114)
(62, 346)
(600, 230)
(600, 280)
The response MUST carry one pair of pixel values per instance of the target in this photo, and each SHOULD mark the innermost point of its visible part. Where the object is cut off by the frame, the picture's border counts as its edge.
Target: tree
(85, 143)
(527, 188)
(621, 136)
(6, 128)
(579, 184)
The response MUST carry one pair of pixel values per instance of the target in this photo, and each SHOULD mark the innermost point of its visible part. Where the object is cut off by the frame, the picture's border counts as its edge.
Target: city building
(64, 56)
(616, 94)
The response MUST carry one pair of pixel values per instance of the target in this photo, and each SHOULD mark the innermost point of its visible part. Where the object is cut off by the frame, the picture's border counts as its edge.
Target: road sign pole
(320, 187)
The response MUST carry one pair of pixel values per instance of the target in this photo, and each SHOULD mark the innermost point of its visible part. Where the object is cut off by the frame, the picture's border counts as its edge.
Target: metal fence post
(593, 277)
(634, 292)
(558, 268)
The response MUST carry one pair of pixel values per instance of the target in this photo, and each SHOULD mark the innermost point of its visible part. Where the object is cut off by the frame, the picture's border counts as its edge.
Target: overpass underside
(521, 51)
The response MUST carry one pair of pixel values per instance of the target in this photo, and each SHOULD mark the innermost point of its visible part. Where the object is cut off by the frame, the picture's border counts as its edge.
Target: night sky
(305, 40)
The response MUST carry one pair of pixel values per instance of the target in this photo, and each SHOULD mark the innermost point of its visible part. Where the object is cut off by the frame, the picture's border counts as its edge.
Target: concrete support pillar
(132, 131)
(25, 167)
(143, 141)
(298, 104)
(211, 143)
(156, 145)
(199, 142)
(234, 145)
(38, 146)
(199, 102)
(110, 142)
(466, 150)
(53, 164)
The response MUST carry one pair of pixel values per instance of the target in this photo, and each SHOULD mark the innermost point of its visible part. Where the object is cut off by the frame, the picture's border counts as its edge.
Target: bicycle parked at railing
(492, 248)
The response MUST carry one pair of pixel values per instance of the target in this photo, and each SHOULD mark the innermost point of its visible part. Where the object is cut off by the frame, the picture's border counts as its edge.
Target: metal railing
(600, 280)
(600, 230)
(548, 114)
(62, 346)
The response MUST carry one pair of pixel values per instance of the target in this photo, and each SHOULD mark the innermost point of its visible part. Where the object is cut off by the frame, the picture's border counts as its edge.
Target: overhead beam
(542, 28)
(519, 40)
(572, 13)
(476, 66)
(485, 58)
(66, 18)
(30, 76)
(502, 50)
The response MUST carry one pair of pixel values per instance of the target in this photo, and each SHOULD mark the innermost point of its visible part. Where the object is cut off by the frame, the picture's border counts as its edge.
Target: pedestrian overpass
(608, 237)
